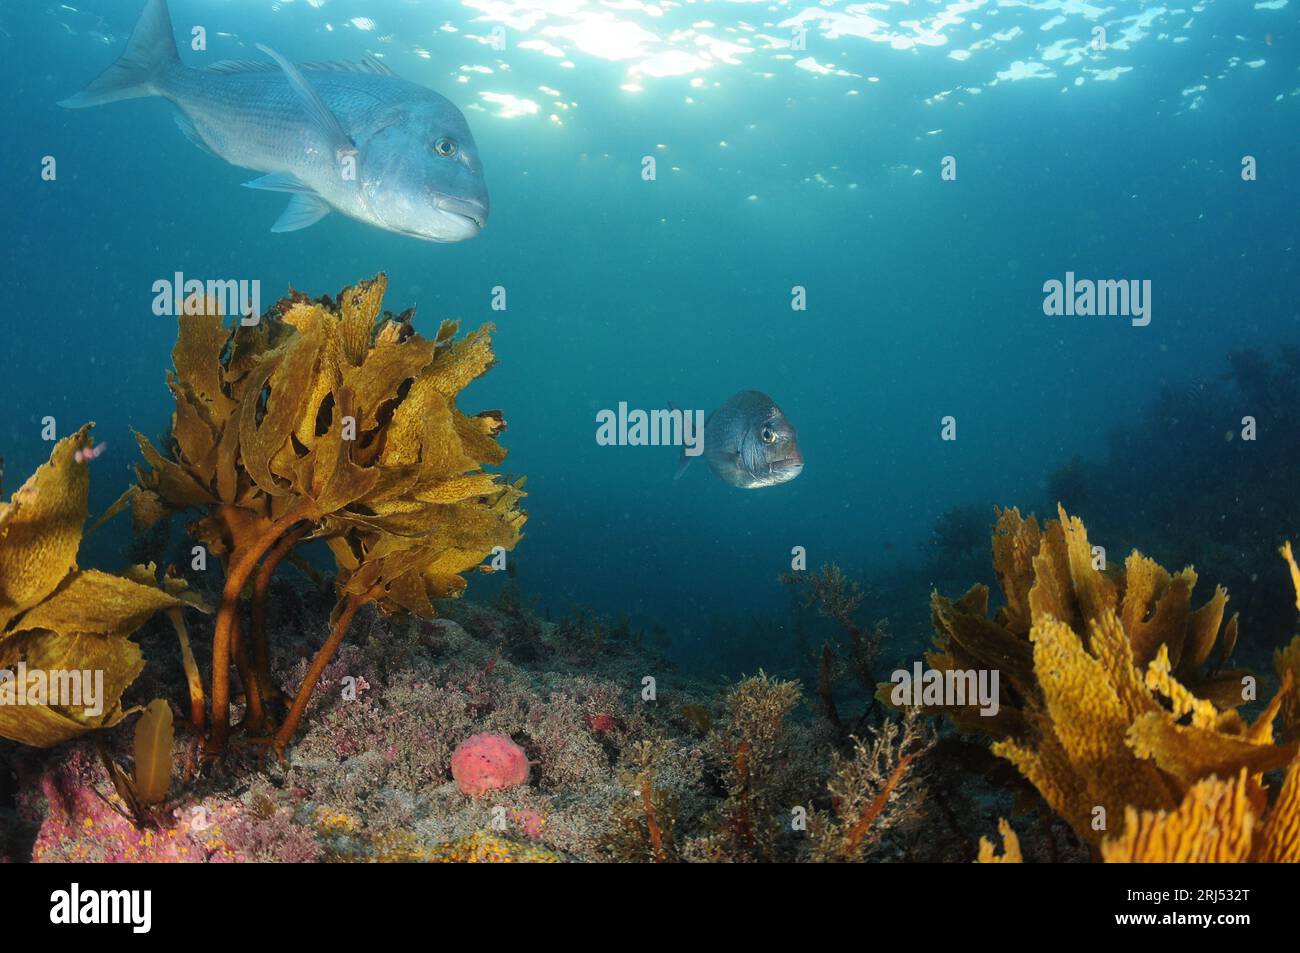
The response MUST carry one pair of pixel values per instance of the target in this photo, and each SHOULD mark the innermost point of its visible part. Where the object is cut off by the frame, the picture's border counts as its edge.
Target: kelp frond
(59, 623)
(328, 419)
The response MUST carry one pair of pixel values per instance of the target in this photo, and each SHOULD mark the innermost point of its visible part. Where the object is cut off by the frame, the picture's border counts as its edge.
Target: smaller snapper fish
(749, 443)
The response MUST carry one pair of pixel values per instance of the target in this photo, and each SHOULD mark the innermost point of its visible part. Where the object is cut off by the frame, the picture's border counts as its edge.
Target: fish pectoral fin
(321, 116)
(304, 209)
(279, 182)
(683, 461)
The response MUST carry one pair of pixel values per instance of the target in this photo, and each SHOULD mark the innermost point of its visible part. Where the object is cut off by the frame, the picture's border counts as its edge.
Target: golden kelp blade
(1010, 847)
(1286, 661)
(153, 752)
(200, 341)
(1295, 570)
(40, 528)
(97, 602)
(117, 659)
(1279, 841)
(64, 629)
(360, 308)
(1214, 824)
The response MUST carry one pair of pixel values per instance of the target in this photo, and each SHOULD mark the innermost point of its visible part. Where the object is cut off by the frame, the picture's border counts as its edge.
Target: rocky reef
(356, 708)
(687, 771)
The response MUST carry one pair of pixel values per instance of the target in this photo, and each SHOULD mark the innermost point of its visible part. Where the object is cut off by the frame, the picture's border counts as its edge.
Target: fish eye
(445, 147)
(767, 436)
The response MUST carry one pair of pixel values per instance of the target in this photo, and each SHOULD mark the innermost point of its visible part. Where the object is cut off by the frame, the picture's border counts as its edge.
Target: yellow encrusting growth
(336, 822)
(478, 848)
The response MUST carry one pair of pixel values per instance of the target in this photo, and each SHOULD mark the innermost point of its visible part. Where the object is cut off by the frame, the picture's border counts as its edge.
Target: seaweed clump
(1052, 573)
(644, 827)
(836, 597)
(872, 791)
(57, 621)
(752, 748)
(325, 420)
(1107, 707)
(1218, 821)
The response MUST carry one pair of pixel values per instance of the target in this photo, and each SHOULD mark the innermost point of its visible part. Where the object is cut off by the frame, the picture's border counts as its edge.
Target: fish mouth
(445, 219)
(787, 469)
(464, 215)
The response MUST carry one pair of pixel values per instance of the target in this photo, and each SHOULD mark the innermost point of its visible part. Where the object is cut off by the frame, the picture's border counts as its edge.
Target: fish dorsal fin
(368, 64)
(243, 66)
(321, 116)
(375, 65)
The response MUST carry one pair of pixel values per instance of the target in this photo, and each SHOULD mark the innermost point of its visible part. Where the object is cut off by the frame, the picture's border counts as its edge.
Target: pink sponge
(488, 762)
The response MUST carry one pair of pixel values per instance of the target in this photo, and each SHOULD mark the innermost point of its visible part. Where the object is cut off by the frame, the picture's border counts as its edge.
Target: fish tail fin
(151, 49)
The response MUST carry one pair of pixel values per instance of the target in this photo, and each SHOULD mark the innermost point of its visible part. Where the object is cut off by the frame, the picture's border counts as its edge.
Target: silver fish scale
(257, 121)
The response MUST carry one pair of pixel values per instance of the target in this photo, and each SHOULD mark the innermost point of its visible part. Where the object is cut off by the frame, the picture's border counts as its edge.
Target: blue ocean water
(776, 167)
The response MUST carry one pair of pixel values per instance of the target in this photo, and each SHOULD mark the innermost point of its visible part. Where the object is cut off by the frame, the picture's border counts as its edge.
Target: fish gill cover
(905, 271)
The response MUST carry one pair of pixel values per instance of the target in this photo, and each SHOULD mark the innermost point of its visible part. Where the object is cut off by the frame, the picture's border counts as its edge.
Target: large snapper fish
(351, 137)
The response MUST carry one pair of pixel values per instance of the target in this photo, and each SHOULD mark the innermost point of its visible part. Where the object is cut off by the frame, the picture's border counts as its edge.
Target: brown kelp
(1052, 572)
(1217, 821)
(60, 622)
(146, 786)
(1107, 707)
(326, 419)
(1226, 821)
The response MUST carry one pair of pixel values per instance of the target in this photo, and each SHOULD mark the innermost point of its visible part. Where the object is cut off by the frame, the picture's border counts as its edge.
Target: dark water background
(924, 296)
